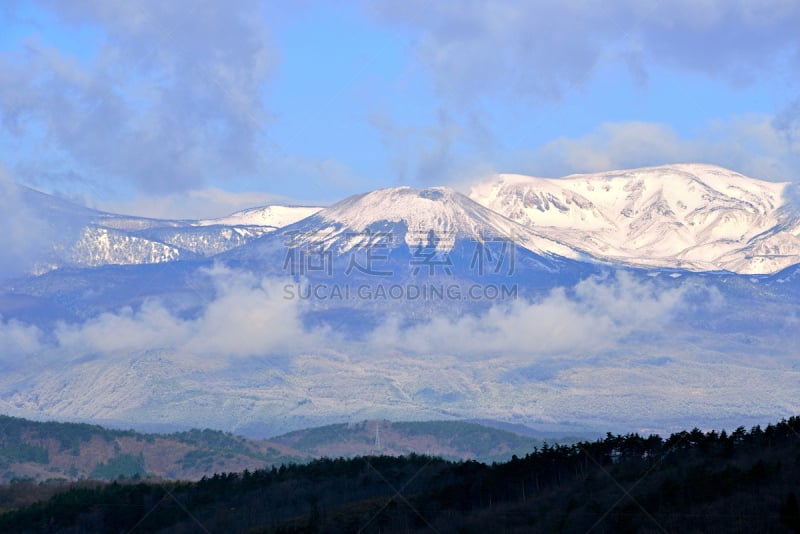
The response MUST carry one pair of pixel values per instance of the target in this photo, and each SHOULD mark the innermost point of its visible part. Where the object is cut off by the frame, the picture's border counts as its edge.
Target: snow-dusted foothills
(687, 216)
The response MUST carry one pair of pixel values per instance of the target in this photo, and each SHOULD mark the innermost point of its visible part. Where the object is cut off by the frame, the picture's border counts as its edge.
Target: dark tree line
(692, 481)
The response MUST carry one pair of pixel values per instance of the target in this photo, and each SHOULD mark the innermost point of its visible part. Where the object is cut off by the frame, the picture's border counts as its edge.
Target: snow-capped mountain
(688, 216)
(435, 217)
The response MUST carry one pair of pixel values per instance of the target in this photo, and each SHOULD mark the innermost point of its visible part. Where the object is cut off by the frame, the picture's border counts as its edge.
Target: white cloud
(593, 317)
(172, 97)
(247, 317)
(18, 341)
(250, 317)
(607, 349)
(613, 145)
(482, 54)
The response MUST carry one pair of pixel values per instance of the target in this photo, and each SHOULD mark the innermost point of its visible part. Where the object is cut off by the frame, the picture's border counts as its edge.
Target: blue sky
(196, 109)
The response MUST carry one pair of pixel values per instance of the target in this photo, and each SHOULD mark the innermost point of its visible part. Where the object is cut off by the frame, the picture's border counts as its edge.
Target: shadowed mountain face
(420, 304)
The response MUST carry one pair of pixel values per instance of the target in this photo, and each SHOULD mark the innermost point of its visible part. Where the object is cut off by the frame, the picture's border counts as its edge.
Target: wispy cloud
(749, 144)
(24, 234)
(533, 55)
(210, 202)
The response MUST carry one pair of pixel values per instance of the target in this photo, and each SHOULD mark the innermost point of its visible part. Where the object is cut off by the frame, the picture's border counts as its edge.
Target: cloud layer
(254, 317)
(594, 316)
(158, 98)
(544, 48)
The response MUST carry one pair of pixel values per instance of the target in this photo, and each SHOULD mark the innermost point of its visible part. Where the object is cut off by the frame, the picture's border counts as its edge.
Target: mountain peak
(410, 215)
(274, 216)
(432, 208)
(712, 176)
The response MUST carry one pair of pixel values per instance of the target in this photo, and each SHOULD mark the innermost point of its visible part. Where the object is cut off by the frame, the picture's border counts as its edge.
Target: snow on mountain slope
(693, 216)
(272, 216)
(206, 240)
(78, 236)
(105, 246)
(436, 215)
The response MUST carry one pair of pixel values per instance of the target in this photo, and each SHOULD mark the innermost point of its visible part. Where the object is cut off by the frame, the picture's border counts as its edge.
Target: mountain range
(646, 299)
(686, 216)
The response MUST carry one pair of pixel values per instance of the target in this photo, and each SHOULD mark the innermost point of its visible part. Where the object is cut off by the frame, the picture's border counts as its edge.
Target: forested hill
(742, 481)
(39, 451)
(452, 440)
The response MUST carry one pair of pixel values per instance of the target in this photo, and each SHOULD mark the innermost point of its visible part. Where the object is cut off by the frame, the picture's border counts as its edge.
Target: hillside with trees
(451, 440)
(40, 451)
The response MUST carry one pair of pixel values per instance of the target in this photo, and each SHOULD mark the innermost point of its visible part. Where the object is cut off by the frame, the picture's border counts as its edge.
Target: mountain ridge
(692, 216)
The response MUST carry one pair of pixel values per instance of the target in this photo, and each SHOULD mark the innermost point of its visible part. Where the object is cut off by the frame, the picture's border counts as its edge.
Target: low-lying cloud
(247, 317)
(590, 318)
(250, 317)
(609, 348)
